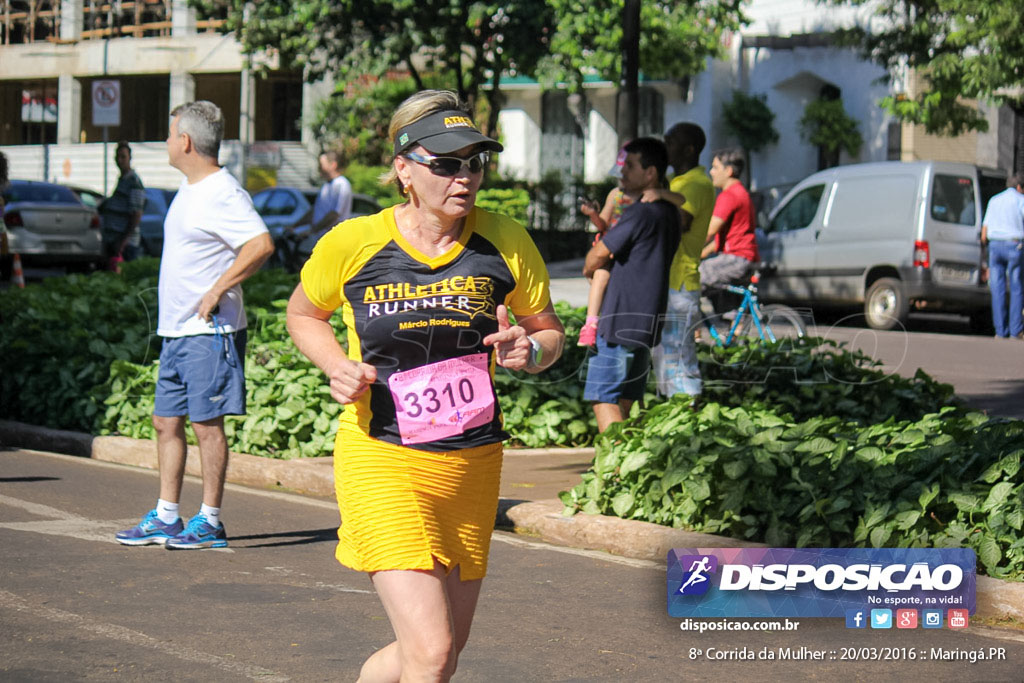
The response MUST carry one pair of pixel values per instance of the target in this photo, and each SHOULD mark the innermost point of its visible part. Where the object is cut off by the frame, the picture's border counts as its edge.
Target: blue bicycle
(752, 319)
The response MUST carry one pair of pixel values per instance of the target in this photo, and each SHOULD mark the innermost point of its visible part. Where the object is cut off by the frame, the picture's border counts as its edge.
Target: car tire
(886, 305)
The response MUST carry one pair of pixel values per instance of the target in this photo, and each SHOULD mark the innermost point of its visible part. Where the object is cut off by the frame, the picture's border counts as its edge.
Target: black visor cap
(443, 132)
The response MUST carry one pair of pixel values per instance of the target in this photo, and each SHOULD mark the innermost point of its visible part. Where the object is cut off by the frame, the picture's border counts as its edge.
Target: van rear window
(953, 199)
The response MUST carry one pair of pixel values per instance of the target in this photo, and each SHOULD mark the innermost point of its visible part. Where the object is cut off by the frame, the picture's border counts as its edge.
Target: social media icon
(957, 618)
(856, 618)
(906, 618)
(931, 618)
(881, 618)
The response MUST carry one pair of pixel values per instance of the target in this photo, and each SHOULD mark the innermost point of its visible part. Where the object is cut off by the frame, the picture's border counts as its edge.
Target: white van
(891, 235)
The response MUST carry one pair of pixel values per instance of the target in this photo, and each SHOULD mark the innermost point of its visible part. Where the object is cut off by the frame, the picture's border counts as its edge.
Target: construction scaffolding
(29, 21)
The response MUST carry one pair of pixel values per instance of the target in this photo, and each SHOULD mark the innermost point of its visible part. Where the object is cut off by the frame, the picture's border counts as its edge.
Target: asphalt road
(275, 606)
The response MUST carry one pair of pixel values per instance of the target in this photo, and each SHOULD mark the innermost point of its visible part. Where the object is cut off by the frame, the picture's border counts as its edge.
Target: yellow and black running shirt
(404, 310)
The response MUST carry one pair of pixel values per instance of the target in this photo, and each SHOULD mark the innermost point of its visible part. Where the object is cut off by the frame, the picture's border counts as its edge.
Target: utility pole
(628, 98)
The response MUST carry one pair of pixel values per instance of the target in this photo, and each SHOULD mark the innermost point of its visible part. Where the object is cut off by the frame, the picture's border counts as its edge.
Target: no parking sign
(106, 103)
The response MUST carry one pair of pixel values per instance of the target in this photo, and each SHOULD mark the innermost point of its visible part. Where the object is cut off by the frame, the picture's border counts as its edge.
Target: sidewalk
(530, 480)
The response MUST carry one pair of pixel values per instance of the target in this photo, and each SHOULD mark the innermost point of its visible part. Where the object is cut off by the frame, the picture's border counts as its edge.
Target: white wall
(602, 140)
(702, 106)
(786, 17)
(82, 165)
(197, 53)
(521, 139)
(793, 78)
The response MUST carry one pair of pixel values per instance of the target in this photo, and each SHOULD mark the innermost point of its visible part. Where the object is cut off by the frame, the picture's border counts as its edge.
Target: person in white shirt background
(334, 203)
(213, 241)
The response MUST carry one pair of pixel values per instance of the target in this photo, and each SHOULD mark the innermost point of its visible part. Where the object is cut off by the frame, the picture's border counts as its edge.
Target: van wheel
(885, 304)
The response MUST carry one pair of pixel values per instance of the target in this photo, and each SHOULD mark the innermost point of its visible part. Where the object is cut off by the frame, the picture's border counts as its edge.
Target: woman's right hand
(588, 208)
(349, 380)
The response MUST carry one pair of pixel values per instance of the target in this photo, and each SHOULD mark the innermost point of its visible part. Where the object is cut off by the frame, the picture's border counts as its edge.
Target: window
(279, 204)
(894, 135)
(953, 200)
(991, 185)
(39, 192)
(799, 212)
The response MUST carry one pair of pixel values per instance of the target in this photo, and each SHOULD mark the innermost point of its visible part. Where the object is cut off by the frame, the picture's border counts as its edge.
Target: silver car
(47, 224)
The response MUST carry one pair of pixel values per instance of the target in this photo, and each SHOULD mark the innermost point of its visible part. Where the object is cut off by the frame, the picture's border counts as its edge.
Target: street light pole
(106, 129)
(628, 99)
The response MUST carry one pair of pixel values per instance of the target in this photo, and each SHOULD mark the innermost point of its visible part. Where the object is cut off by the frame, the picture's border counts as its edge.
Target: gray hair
(203, 122)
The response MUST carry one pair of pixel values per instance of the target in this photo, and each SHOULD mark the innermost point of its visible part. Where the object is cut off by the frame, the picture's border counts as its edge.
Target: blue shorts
(616, 372)
(202, 376)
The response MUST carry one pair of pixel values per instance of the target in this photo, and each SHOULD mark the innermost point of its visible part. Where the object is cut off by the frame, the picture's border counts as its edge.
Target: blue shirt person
(1003, 230)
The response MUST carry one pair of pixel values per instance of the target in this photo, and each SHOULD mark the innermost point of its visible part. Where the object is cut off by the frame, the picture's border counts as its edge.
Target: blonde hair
(413, 109)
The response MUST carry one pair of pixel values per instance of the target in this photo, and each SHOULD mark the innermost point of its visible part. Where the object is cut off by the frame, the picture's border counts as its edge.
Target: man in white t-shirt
(334, 203)
(213, 240)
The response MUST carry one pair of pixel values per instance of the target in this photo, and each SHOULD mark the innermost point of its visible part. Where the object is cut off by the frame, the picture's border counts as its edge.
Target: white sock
(166, 511)
(212, 514)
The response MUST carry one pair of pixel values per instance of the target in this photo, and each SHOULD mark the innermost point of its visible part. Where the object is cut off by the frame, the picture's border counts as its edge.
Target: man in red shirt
(731, 249)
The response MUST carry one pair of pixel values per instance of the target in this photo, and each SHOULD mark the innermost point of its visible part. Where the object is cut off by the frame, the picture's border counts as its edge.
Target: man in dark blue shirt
(640, 249)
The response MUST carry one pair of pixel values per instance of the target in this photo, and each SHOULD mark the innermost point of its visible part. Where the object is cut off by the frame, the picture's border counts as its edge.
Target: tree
(356, 117)
(963, 49)
(751, 122)
(826, 125)
(676, 38)
(468, 43)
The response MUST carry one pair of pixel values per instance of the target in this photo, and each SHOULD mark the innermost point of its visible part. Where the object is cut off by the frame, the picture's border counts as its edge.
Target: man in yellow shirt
(691, 190)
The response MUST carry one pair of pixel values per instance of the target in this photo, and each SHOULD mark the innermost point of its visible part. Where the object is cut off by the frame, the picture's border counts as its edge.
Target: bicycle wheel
(777, 321)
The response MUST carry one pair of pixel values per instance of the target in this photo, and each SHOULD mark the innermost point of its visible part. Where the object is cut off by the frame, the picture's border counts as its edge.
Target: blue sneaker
(150, 531)
(199, 534)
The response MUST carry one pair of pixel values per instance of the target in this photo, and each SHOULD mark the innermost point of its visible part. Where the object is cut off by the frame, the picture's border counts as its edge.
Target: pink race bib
(442, 399)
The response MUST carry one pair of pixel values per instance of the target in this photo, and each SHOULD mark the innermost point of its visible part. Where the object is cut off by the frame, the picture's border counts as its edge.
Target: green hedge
(948, 479)
(101, 328)
(802, 444)
(797, 443)
(78, 353)
(512, 202)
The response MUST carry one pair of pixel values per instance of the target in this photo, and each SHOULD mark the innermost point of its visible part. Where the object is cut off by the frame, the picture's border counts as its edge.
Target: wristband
(536, 352)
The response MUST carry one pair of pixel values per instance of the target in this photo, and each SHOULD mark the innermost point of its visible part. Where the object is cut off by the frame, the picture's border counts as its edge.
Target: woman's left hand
(511, 345)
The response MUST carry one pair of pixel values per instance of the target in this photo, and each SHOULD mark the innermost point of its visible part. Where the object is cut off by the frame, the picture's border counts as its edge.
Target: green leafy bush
(826, 124)
(812, 377)
(548, 409)
(512, 202)
(366, 180)
(59, 338)
(357, 116)
(947, 479)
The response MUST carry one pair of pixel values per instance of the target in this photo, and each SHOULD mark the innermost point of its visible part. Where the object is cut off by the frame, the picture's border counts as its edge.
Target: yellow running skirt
(402, 507)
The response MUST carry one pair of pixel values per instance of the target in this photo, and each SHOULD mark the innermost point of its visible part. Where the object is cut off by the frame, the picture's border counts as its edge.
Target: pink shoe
(588, 334)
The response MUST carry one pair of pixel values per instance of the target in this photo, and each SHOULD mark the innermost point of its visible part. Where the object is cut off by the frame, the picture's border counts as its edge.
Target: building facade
(786, 54)
(161, 53)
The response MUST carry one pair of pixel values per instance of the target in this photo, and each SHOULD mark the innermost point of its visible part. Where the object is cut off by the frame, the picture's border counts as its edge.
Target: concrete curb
(629, 538)
(996, 598)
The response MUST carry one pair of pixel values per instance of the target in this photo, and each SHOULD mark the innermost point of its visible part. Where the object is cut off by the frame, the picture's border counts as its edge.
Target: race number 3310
(442, 399)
